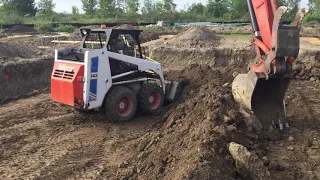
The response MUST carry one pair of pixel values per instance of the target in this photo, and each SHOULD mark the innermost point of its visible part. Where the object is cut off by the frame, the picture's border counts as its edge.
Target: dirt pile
(177, 58)
(311, 30)
(24, 77)
(76, 35)
(10, 50)
(125, 26)
(195, 37)
(307, 66)
(20, 29)
(192, 142)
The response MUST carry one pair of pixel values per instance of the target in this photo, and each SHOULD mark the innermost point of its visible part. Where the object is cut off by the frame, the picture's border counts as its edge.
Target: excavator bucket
(265, 98)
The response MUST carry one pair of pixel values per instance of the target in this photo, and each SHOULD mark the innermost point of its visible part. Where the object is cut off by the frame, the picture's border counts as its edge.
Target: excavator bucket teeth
(265, 98)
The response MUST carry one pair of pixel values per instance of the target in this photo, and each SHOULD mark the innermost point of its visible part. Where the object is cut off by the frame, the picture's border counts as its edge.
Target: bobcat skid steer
(108, 72)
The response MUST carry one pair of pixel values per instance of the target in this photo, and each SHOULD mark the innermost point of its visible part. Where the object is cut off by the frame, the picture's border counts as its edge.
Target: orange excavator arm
(272, 38)
(263, 88)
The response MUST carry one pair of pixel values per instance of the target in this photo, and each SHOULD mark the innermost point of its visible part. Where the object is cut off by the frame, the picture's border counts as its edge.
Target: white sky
(65, 5)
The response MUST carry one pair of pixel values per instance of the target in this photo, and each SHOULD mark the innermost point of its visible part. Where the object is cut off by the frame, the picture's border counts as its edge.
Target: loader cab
(122, 41)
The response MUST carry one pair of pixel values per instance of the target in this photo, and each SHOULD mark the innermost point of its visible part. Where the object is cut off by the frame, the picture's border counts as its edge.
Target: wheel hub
(151, 99)
(154, 100)
(123, 105)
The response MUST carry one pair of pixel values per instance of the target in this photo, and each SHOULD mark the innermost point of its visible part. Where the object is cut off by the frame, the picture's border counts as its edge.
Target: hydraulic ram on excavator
(263, 88)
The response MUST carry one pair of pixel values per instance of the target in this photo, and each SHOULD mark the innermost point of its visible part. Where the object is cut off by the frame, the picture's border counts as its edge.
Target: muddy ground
(204, 135)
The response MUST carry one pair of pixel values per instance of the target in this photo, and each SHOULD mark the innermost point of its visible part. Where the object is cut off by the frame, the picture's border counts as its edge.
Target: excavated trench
(24, 78)
(204, 135)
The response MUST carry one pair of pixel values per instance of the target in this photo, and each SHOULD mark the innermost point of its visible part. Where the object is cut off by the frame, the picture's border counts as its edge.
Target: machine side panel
(97, 78)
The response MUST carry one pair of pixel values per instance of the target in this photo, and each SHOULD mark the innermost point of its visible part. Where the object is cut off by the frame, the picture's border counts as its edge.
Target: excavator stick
(262, 89)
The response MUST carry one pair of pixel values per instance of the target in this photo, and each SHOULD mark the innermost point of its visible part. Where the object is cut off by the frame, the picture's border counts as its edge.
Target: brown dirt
(19, 29)
(11, 50)
(76, 35)
(24, 77)
(49, 141)
(125, 26)
(141, 148)
(190, 139)
(194, 38)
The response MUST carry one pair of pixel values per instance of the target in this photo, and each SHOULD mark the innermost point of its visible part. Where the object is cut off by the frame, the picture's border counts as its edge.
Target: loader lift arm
(263, 88)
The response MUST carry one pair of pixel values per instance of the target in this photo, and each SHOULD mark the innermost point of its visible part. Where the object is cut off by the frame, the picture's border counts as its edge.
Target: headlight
(84, 32)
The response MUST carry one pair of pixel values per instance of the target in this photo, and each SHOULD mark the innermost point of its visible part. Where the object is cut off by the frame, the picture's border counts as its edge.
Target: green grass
(64, 28)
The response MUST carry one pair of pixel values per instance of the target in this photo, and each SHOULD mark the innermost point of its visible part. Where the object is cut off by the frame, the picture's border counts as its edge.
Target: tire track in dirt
(42, 139)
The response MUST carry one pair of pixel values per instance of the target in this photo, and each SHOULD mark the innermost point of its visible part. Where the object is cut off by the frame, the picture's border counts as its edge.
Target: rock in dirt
(251, 120)
(247, 163)
(275, 166)
(291, 138)
(273, 134)
(290, 148)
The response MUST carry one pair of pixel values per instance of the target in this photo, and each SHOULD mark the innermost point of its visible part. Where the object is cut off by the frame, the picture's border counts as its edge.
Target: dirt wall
(24, 77)
(306, 67)
(175, 58)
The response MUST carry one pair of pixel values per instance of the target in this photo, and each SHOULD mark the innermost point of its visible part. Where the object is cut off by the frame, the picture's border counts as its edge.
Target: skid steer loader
(263, 88)
(108, 72)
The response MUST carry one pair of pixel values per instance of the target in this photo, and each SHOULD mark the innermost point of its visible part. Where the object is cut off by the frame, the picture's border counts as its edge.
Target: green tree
(106, 8)
(89, 6)
(218, 8)
(132, 7)
(159, 8)
(314, 5)
(197, 8)
(46, 7)
(148, 8)
(314, 14)
(239, 8)
(6, 9)
(75, 11)
(24, 7)
(119, 7)
(169, 6)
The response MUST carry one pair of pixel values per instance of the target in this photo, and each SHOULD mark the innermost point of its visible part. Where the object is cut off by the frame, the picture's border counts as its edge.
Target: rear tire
(150, 99)
(120, 104)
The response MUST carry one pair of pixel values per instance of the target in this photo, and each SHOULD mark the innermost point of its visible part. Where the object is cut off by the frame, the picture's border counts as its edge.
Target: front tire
(120, 104)
(150, 99)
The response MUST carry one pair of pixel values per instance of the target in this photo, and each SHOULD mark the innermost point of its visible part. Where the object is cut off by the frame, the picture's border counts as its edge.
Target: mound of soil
(124, 26)
(24, 77)
(195, 37)
(76, 35)
(192, 142)
(12, 49)
(20, 29)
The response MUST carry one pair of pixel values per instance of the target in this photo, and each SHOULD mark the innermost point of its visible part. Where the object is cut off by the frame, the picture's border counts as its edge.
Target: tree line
(24, 11)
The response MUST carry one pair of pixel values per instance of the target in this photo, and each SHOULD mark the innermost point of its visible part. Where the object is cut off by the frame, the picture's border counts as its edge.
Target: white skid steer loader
(108, 72)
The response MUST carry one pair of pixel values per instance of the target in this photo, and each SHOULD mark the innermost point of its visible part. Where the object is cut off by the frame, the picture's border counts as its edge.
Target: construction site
(203, 134)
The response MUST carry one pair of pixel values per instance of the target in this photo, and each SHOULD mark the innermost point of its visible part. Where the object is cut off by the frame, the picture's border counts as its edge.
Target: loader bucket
(265, 98)
(174, 90)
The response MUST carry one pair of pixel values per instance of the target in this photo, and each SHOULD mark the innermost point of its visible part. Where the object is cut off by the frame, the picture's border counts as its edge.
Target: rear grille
(63, 74)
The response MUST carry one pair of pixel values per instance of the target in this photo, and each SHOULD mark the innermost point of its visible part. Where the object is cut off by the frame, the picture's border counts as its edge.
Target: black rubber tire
(143, 99)
(112, 101)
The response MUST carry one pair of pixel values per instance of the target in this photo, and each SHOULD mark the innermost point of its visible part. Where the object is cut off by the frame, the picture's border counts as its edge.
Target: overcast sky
(65, 5)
